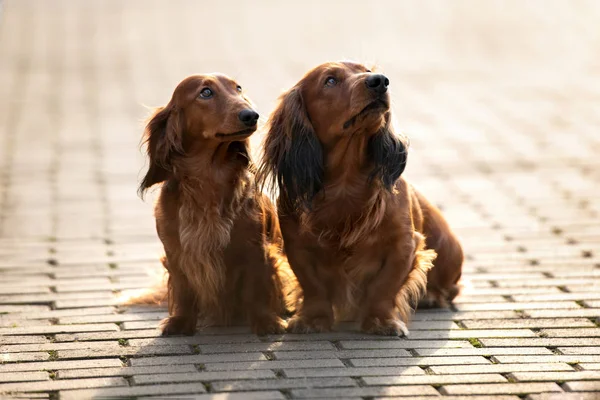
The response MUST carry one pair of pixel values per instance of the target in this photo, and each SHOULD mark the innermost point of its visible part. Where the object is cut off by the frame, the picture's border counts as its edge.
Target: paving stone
(126, 371)
(463, 315)
(563, 396)
(267, 384)
(499, 368)
(555, 376)
(198, 359)
(590, 366)
(365, 391)
(434, 379)
(392, 362)
(24, 376)
(570, 313)
(124, 351)
(503, 388)
(471, 333)
(572, 359)
(275, 346)
(135, 391)
(20, 357)
(94, 319)
(579, 350)
(46, 386)
(528, 323)
(403, 344)
(483, 351)
(83, 336)
(273, 365)
(488, 397)
(36, 330)
(558, 296)
(58, 365)
(518, 306)
(260, 395)
(593, 332)
(58, 346)
(583, 386)
(310, 355)
(195, 376)
(545, 342)
(352, 371)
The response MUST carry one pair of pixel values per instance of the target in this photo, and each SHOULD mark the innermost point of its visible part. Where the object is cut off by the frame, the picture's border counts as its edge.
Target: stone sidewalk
(501, 101)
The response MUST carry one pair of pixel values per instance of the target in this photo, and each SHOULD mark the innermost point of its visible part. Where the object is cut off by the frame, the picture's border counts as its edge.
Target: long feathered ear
(388, 153)
(163, 138)
(293, 156)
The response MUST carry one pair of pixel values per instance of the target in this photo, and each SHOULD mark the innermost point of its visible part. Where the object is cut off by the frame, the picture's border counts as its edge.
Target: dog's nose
(377, 82)
(248, 117)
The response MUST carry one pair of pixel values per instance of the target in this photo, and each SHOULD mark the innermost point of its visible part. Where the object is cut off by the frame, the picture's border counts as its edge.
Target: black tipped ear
(388, 154)
(293, 154)
(163, 138)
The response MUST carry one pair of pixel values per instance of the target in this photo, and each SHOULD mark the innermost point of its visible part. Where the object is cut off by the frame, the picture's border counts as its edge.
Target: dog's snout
(377, 82)
(248, 117)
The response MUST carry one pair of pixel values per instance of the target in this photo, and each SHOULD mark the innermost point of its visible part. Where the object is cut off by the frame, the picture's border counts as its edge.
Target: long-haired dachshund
(356, 234)
(221, 237)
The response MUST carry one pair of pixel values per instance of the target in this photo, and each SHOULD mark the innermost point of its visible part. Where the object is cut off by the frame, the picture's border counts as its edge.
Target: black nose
(377, 82)
(248, 117)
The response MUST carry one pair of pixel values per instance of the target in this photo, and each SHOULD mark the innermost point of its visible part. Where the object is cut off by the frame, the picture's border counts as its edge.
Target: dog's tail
(155, 295)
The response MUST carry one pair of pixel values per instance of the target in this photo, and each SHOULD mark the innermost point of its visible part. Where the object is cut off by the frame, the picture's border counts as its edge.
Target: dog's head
(331, 102)
(205, 110)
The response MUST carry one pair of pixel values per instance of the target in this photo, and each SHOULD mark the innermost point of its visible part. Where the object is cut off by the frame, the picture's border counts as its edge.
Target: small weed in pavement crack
(53, 355)
(123, 342)
(475, 342)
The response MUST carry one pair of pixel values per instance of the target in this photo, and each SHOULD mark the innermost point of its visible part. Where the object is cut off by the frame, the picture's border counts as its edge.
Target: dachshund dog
(221, 236)
(360, 239)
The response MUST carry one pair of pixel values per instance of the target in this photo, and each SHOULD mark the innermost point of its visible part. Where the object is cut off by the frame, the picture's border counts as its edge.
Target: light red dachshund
(359, 238)
(221, 236)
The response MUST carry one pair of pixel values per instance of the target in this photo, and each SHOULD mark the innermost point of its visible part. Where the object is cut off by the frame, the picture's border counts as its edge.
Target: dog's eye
(368, 71)
(206, 93)
(239, 88)
(330, 81)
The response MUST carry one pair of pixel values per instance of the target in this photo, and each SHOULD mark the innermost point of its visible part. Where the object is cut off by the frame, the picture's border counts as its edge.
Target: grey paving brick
(267, 384)
(58, 365)
(546, 359)
(198, 359)
(403, 344)
(125, 371)
(483, 351)
(464, 315)
(52, 329)
(124, 351)
(590, 366)
(195, 376)
(7, 377)
(59, 346)
(149, 390)
(568, 313)
(488, 397)
(20, 357)
(309, 355)
(587, 332)
(583, 386)
(434, 379)
(528, 323)
(502, 388)
(555, 376)
(471, 333)
(352, 371)
(546, 342)
(259, 395)
(275, 346)
(366, 391)
(558, 296)
(580, 350)
(94, 319)
(273, 365)
(499, 368)
(45, 386)
(563, 396)
(85, 336)
(518, 306)
(401, 361)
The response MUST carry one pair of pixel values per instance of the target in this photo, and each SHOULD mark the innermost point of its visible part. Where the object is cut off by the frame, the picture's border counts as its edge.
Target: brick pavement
(500, 100)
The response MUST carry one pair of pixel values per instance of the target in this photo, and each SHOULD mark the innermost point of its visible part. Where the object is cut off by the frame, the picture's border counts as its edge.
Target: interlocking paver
(503, 137)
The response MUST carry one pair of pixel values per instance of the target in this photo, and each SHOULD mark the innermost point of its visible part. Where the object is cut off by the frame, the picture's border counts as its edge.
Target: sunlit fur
(223, 246)
(359, 238)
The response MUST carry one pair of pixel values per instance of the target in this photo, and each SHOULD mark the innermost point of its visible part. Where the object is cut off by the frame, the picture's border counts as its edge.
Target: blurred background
(500, 100)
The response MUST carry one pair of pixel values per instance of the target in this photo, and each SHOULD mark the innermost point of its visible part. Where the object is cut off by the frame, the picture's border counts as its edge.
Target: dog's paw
(384, 327)
(269, 326)
(310, 325)
(178, 325)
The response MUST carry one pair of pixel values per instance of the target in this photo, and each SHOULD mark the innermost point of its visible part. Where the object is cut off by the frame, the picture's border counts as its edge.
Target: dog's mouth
(378, 104)
(237, 135)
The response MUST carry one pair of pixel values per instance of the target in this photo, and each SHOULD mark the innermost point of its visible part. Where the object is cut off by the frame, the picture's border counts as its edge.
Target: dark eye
(206, 93)
(330, 81)
(368, 70)
(239, 88)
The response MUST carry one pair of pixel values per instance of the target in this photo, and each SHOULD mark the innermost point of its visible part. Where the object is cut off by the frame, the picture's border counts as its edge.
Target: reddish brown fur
(355, 233)
(221, 236)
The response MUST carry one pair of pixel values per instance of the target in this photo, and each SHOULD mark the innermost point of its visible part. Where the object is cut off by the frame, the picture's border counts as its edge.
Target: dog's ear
(163, 138)
(388, 153)
(293, 156)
